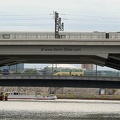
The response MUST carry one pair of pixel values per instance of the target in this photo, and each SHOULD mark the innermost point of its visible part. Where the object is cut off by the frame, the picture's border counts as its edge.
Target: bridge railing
(44, 77)
(51, 35)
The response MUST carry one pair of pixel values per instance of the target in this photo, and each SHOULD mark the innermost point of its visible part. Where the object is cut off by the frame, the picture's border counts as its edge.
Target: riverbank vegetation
(99, 97)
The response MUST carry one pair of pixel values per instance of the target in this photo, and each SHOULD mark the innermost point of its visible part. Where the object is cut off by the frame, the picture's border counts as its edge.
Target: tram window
(15, 93)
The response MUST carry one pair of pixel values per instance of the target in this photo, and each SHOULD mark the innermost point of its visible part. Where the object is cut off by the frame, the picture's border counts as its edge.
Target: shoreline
(95, 97)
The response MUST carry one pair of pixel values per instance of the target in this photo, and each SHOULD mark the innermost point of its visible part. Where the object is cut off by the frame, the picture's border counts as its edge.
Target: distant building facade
(14, 68)
(87, 66)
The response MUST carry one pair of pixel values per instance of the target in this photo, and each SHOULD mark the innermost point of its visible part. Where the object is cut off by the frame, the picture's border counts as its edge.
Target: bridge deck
(42, 77)
(56, 81)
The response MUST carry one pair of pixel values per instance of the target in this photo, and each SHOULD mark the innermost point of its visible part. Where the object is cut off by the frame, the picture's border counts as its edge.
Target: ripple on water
(37, 115)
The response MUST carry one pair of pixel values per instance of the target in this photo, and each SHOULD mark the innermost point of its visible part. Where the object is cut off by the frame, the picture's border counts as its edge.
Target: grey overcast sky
(77, 15)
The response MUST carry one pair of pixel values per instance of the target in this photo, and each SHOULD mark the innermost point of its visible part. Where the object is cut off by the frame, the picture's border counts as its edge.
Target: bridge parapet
(63, 35)
(60, 81)
(41, 77)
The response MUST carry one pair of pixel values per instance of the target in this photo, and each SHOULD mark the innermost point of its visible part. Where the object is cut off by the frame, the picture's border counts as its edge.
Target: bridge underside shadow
(112, 61)
(60, 83)
(13, 59)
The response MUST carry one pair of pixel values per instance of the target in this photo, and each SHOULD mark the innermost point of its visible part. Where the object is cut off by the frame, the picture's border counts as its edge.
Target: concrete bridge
(73, 47)
(60, 81)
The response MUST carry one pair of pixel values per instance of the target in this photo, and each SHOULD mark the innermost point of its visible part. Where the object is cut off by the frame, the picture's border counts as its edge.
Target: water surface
(60, 110)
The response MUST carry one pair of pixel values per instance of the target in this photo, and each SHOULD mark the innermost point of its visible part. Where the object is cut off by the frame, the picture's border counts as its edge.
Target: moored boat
(23, 96)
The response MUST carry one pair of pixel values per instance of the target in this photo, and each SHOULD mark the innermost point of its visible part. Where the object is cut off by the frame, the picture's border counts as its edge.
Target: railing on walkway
(63, 35)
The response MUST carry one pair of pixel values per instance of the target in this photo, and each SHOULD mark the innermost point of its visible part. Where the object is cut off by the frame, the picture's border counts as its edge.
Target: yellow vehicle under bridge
(69, 72)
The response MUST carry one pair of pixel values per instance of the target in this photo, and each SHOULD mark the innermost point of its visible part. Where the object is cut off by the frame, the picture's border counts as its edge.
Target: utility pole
(58, 25)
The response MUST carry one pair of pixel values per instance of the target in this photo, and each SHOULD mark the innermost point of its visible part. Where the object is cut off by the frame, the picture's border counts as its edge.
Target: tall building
(87, 66)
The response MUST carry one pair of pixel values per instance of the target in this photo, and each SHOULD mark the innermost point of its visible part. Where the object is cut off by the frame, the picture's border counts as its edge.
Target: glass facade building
(14, 68)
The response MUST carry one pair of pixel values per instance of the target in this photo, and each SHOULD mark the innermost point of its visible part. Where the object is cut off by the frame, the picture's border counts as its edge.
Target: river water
(60, 110)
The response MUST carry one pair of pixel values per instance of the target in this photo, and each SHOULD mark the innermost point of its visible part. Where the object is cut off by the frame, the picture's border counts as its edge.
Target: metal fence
(51, 35)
